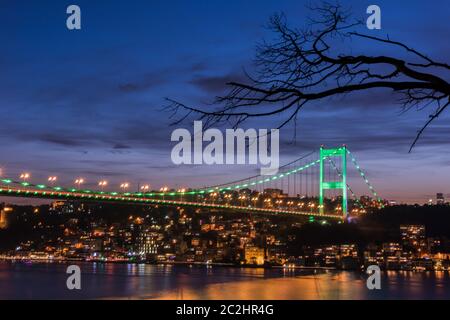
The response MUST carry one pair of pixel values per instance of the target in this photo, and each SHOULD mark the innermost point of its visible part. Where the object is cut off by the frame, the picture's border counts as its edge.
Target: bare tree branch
(304, 65)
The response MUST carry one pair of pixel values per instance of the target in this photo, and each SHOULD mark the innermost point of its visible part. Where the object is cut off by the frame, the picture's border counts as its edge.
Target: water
(128, 281)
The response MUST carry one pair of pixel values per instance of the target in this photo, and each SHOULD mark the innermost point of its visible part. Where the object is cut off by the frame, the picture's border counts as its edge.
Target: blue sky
(88, 103)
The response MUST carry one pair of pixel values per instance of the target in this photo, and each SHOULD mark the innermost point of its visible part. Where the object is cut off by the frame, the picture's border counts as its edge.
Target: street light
(255, 199)
(24, 176)
(124, 186)
(290, 203)
(227, 198)
(213, 195)
(102, 184)
(79, 182)
(52, 180)
(320, 207)
(279, 203)
(242, 198)
(181, 191)
(145, 188)
(163, 190)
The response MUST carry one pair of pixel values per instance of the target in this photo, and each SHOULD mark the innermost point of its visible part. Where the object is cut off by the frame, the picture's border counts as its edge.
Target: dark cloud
(146, 82)
(217, 84)
(101, 173)
(121, 146)
(60, 140)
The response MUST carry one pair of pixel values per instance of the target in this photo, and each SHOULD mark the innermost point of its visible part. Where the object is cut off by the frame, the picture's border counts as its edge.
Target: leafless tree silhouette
(304, 65)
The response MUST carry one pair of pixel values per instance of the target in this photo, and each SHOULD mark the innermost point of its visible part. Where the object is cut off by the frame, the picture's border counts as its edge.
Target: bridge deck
(66, 195)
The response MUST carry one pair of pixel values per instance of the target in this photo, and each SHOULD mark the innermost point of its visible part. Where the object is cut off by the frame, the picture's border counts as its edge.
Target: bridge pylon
(328, 154)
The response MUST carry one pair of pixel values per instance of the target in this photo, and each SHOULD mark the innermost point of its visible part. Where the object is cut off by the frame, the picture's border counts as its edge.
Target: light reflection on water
(140, 281)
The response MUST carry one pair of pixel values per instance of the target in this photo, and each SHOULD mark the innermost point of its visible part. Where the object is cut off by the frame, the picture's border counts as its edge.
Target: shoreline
(174, 263)
(202, 264)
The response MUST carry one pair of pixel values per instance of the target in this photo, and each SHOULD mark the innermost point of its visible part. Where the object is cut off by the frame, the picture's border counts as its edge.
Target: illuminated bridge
(310, 179)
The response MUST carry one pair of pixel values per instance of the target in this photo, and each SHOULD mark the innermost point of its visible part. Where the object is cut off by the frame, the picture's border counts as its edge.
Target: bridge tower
(326, 154)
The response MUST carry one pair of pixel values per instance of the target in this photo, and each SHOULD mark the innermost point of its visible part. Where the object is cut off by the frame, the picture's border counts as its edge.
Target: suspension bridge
(315, 185)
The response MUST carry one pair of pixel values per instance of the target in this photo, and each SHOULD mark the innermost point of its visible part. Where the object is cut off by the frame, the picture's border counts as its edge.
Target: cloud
(145, 82)
(61, 140)
(121, 146)
(217, 84)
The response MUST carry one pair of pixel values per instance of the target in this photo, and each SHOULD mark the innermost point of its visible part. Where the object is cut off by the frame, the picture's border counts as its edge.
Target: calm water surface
(130, 281)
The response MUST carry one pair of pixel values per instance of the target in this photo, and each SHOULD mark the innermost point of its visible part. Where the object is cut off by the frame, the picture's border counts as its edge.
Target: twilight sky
(88, 103)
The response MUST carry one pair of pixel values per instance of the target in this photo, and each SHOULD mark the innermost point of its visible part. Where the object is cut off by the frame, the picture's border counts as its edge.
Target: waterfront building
(3, 217)
(147, 244)
(413, 238)
(254, 255)
(440, 200)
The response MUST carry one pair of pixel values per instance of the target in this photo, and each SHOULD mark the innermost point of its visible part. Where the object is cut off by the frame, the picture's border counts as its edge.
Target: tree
(310, 64)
